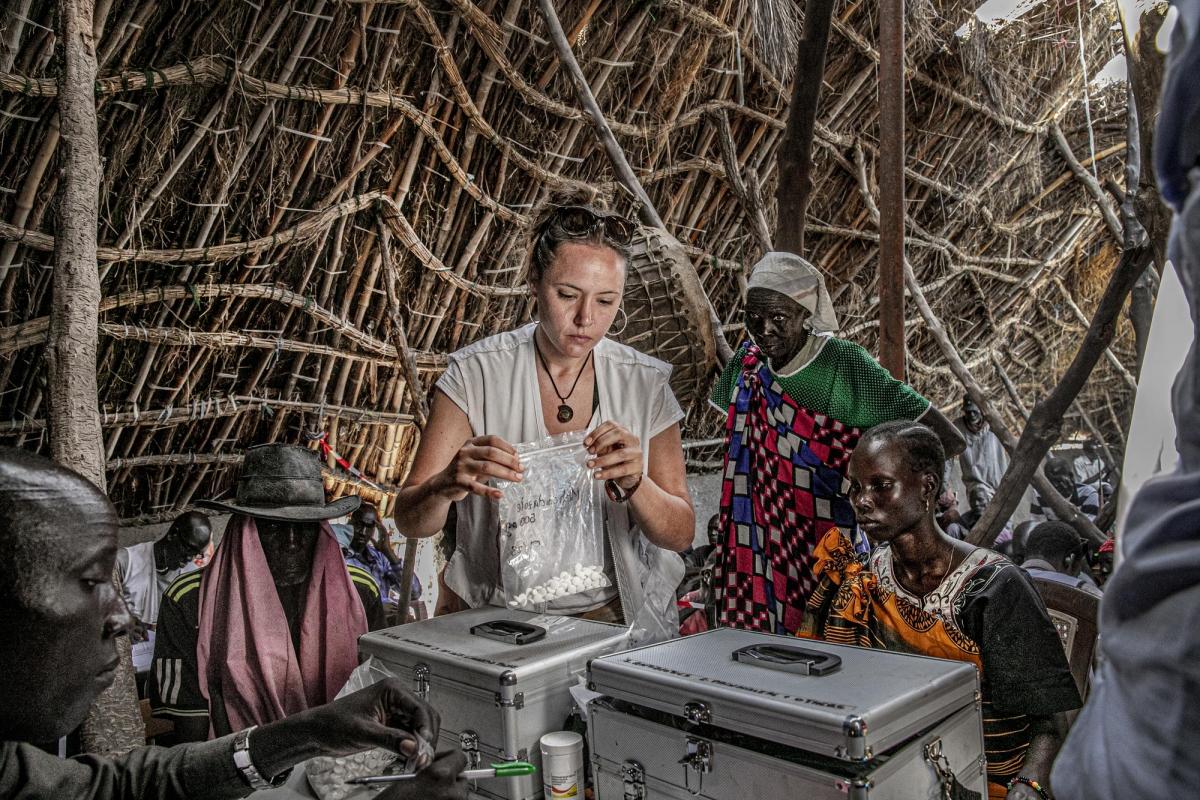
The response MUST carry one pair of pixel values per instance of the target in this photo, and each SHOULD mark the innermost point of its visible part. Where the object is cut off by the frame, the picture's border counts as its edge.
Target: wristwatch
(617, 494)
(241, 760)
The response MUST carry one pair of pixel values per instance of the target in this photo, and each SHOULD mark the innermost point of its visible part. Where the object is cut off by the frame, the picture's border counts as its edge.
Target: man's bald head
(60, 614)
(44, 510)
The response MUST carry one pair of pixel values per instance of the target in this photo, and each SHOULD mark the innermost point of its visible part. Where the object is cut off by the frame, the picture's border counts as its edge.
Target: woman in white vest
(555, 375)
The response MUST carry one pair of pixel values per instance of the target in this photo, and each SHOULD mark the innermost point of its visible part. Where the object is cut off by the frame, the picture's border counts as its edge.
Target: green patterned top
(842, 381)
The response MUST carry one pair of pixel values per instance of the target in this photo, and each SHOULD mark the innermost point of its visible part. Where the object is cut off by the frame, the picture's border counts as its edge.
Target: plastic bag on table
(551, 525)
(327, 775)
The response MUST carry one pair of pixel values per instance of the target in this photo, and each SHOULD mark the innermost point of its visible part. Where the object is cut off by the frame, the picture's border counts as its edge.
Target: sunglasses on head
(580, 222)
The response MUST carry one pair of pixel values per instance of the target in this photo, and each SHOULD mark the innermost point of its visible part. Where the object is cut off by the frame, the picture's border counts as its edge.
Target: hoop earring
(624, 323)
(533, 311)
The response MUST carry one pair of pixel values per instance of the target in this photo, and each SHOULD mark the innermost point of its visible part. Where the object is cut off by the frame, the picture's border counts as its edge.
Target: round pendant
(565, 413)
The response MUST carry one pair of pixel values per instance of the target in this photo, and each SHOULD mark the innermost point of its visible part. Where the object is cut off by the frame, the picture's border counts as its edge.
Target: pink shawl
(244, 648)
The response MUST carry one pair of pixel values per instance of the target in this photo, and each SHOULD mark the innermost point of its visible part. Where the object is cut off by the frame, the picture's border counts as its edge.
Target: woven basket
(666, 308)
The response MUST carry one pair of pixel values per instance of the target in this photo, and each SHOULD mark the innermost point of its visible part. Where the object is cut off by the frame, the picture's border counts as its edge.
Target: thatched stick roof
(258, 155)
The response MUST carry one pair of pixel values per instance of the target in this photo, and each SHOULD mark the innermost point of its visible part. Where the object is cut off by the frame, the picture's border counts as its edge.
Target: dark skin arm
(952, 441)
(382, 715)
(1043, 747)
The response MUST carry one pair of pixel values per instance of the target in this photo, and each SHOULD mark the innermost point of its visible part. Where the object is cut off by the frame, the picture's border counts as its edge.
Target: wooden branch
(795, 150)
(1088, 180)
(1046, 418)
(391, 283)
(200, 409)
(113, 726)
(937, 330)
(33, 332)
(752, 206)
(1010, 387)
(311, 228)
(1109, 355)
(181, 337)
(616, 156)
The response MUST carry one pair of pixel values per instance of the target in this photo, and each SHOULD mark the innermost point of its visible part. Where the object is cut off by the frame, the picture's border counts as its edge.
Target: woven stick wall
(307, 204)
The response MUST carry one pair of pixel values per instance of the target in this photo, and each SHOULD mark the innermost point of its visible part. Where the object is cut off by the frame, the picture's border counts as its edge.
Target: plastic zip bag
(551, 525)
(327, 775)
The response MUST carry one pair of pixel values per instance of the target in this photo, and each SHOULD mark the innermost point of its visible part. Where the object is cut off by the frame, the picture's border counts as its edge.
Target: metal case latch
(697, 712)
(469, 742)
(633, 778)
(698, 758)
(421, 681)
(941, 766)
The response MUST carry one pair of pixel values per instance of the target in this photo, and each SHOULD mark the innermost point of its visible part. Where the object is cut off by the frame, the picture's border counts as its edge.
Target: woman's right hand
(477, 461)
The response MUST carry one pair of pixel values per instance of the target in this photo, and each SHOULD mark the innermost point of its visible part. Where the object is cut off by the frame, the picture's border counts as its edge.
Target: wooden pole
(891, 187)
(113, 724)
(795, 150)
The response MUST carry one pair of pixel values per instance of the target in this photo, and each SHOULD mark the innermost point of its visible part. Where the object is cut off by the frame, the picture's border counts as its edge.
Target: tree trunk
(795, 150)
(113, 724)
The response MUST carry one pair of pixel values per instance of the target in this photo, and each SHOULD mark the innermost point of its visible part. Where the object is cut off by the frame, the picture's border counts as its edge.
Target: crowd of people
(835, 523)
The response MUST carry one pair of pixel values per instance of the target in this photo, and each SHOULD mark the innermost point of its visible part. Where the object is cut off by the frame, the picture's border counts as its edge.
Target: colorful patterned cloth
(788, 442)
(985, 612)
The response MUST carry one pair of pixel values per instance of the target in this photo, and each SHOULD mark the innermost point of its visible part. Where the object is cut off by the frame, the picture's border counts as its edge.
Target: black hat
(283, 481)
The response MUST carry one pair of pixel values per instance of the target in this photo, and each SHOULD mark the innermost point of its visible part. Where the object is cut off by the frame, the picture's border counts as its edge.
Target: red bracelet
(1032, 784)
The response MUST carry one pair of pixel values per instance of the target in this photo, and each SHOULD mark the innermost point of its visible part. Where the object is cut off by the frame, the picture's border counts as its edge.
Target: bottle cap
(561, 743)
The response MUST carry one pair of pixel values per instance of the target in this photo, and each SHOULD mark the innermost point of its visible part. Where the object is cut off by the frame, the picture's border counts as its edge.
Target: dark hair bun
(578, 196)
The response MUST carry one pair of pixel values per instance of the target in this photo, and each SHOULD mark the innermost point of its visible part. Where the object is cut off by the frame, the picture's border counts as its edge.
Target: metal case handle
(786, 658)
(510, 631)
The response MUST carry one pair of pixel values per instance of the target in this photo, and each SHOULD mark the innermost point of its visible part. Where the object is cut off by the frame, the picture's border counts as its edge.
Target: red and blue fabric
(784, 471)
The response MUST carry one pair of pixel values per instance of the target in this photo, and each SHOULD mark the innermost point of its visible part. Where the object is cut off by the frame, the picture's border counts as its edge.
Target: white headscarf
(791, 275)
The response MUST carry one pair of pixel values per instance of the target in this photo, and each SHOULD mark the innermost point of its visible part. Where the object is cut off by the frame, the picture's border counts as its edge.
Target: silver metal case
(496, 697)
(637, 758)
(874, 701)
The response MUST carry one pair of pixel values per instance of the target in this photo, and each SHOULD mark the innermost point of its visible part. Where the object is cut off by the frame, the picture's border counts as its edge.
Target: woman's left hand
(616, 455)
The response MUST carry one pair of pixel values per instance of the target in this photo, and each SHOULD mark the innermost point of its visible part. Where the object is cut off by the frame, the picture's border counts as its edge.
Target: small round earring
(624, 323)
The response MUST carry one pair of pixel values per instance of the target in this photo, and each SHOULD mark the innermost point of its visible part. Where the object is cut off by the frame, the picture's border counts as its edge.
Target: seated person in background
(948, 517)
(1088, 466)
(921, 591)
(1055, 552)
(60, 618)
(1103, 565)
(1062, 477)
(984, 460)
(147, 569)
(370, 549)
(271, 626)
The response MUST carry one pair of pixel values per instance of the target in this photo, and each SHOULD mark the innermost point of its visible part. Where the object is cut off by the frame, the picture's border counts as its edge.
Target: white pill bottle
(562, 765)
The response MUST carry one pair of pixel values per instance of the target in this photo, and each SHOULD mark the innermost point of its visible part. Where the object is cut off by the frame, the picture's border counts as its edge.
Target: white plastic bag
(551, 525)
(327, 775)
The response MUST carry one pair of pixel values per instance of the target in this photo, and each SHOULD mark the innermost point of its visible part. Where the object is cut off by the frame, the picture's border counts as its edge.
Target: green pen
(505, 769)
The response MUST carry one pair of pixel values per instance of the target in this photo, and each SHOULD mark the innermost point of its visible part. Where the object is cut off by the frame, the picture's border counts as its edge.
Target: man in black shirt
(270, 627)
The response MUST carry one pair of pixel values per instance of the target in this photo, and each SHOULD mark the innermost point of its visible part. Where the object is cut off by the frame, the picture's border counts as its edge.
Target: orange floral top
(985, 611)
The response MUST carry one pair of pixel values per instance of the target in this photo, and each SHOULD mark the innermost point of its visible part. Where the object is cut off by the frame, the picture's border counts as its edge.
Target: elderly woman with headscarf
(796, 399)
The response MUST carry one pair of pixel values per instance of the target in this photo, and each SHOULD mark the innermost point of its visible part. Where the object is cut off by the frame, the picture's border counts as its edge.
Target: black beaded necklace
(564, 411)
